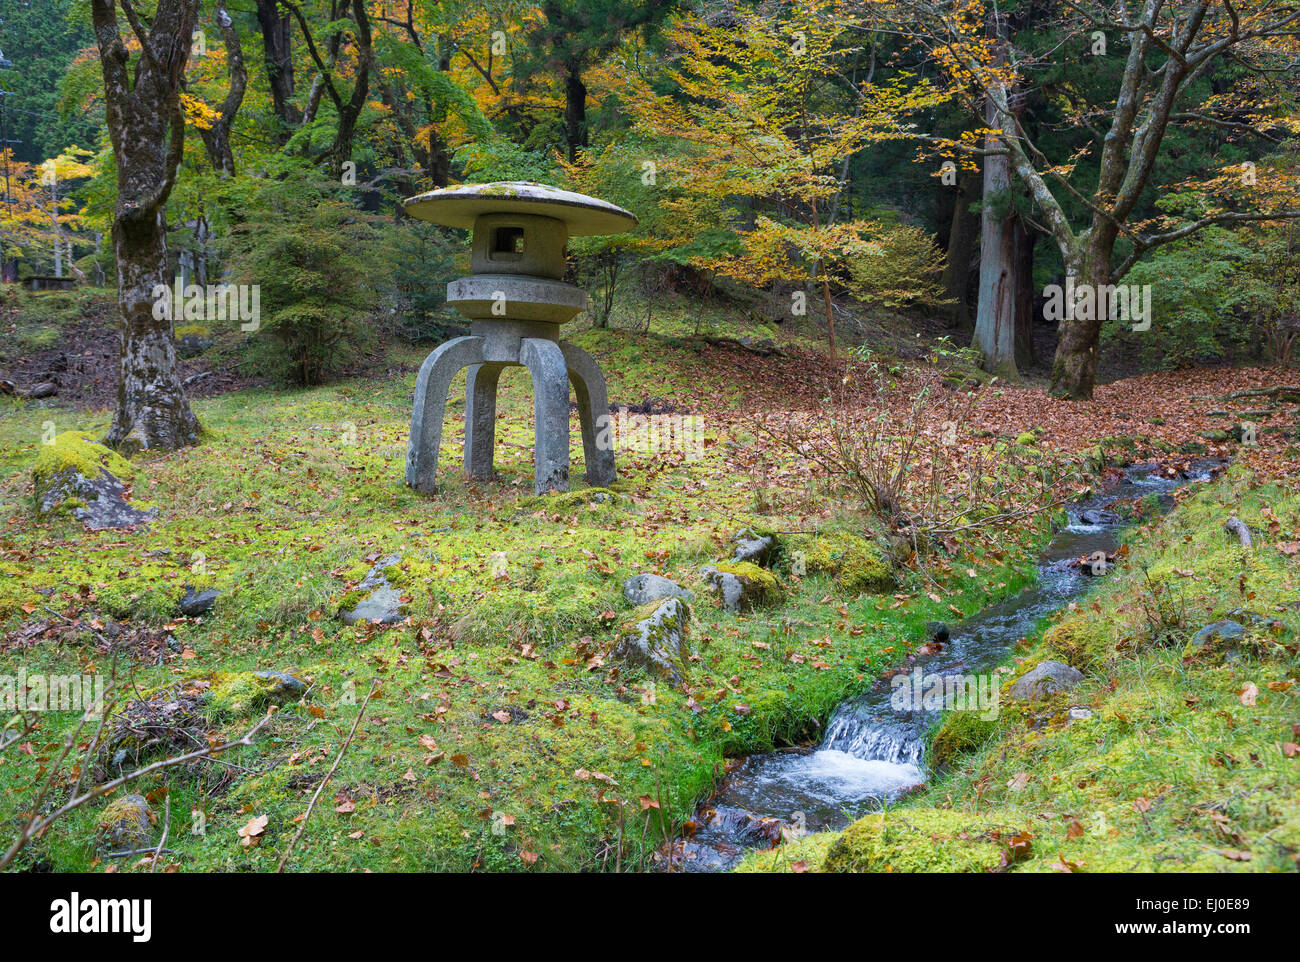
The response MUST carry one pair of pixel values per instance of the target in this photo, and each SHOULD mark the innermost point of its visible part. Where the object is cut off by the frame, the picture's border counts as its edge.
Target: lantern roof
(460, 206)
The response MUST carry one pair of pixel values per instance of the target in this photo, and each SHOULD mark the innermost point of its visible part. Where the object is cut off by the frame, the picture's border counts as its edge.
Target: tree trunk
(1025, 314)
(147, 129)
(217, 137)
(1074, 370)
(277, 47)
(995, 316)
(575, 110)
(961, 249)
(152, 410)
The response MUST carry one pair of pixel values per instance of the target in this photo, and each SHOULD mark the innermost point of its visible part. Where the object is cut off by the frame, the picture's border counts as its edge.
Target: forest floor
(500, 735)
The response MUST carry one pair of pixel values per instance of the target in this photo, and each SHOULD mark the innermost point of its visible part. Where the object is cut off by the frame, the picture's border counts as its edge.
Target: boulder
(76, 474)
(1046, 678)
(197, 603)
(246, 692)
(376, 598)
(644, 588)
(754, 548)
(127, 824)
(282, 686)
(192, 345)
(857, 564)
(1217, 636)
(1099, 516)
(657, 644)
(743, 586)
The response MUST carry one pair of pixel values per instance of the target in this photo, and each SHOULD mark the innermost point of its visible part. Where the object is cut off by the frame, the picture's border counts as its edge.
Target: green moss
(350, 600)
(1079, 643)
(857, 563)
(78, 451)
(569, 502)
(1027, 438)
(806, 854)
(919, 840)
(960, 732)
(245, 692)
(761, 586)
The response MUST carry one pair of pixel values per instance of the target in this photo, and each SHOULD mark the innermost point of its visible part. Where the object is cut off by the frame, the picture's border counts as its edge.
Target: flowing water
(872, 751)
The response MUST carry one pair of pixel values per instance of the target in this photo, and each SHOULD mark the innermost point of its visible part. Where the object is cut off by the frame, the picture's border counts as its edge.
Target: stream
(872, 752)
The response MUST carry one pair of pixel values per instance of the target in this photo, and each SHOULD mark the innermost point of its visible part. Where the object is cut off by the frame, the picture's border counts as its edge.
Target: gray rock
(1220, 634)
(751, 547)
(658, 643)
(44, 389)
(383, 603)
(104, 503)
(192, 345)
(1099, 516)
(644, 588)
(1045, 679)
(197, 603)
(286, 686)
(729, 588)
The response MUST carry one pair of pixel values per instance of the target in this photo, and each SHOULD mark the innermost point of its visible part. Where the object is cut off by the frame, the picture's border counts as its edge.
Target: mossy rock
(919, 840)
(76, 475)
(127, 823)
(960, 732)
(1027, 438)
(571, 502)
(1078, 642)
(658, 641)
(749, 587)
(805, 854)
(857, 563)
(246, 692)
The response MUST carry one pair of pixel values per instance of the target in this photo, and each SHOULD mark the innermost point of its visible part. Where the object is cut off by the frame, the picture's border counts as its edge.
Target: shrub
(313, 259)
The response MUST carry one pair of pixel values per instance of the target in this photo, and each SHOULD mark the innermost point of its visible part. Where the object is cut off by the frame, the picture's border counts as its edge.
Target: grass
(1188, 761)
(499, 738)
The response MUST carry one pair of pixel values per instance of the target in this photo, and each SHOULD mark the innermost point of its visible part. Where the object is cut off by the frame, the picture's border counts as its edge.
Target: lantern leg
(545, 363)
(481, 418)
(593, 413)
(431, 388)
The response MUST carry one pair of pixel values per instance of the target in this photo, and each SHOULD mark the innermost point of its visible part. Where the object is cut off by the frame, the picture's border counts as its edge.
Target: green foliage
(313, 258)
(41, 40)
(496, 158)
(900, 266)
(420, 259)
(1196, 303)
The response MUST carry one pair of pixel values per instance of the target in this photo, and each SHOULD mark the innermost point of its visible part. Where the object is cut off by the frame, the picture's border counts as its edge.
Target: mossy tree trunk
(147, 128)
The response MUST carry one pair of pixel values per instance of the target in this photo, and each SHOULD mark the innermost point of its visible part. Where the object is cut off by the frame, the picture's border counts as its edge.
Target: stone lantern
(516, 300)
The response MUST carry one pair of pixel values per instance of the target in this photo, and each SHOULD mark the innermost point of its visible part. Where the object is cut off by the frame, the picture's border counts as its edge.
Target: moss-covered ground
(499, 737)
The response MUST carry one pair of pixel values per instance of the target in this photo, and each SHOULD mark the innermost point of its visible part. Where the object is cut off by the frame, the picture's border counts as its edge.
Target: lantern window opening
(507, 244)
